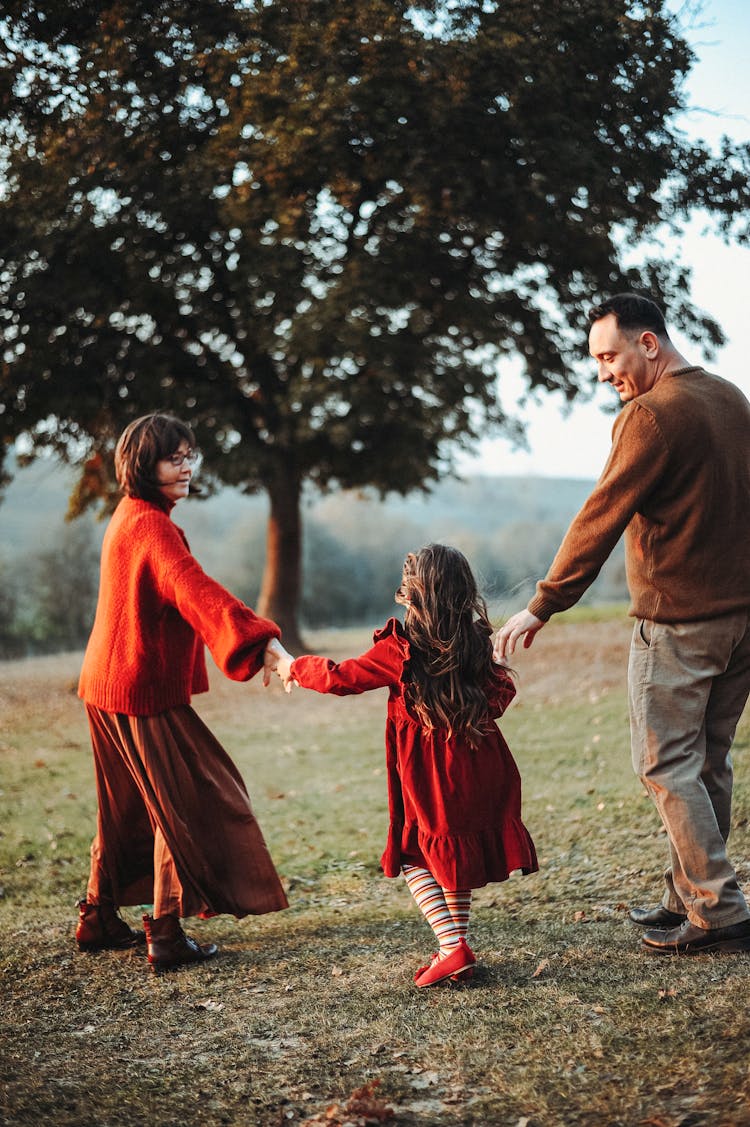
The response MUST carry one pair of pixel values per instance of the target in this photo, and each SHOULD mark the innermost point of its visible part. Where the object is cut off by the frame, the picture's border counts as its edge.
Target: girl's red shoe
(461, 959)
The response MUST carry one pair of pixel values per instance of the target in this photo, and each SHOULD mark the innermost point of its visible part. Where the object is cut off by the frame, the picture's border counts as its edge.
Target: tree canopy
(316, 231)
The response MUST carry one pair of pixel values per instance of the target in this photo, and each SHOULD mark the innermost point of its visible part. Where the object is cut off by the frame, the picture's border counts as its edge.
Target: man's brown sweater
(677, 483)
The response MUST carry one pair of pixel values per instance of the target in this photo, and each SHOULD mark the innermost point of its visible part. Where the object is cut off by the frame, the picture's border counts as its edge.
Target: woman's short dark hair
(633, 313)
(142, 444)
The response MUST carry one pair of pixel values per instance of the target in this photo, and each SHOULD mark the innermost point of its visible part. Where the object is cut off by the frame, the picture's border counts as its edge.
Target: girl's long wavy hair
(449, 633)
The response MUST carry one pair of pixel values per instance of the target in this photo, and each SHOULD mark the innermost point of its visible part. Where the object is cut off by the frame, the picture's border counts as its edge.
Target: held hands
(522, 625)
(277, 660)
(284, 670)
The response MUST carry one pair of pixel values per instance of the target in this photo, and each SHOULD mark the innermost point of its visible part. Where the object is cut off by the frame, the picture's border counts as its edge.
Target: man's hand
(522, 625)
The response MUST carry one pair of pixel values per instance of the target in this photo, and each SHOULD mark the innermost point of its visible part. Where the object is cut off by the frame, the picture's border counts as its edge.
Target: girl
(454, 792)
(174, 826)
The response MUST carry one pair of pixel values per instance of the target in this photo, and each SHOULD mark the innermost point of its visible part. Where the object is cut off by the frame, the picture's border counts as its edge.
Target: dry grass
(566, 1023)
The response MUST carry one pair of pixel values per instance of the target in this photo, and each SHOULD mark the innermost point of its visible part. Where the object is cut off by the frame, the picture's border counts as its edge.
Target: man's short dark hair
(632, 312)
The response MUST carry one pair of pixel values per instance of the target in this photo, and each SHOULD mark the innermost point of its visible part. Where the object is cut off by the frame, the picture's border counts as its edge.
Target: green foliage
(11, 643)
(64, 582)
(317, 210)
(50, 596)
(315, 230)
(601, 612)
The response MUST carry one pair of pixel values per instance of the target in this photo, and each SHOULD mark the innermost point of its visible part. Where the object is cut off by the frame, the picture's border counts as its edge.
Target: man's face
(624, 359)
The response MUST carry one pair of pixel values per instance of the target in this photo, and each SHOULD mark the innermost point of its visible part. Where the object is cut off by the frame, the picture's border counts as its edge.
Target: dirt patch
(582, 657)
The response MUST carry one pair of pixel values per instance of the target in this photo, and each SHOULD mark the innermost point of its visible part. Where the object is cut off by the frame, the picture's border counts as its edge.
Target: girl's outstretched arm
(379, 666)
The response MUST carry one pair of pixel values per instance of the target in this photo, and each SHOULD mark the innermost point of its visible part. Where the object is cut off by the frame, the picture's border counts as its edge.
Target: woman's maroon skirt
(169, 771)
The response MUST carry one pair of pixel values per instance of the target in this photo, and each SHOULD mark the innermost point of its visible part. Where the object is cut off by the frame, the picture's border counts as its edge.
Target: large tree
(316, 229)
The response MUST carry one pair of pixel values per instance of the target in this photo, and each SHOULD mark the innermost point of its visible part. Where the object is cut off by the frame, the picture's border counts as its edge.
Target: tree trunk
(282, 577)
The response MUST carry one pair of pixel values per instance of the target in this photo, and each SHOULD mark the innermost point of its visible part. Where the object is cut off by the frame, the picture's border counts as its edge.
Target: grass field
(567, 1022)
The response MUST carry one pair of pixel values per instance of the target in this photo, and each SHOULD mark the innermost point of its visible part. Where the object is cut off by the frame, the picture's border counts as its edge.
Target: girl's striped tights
(446, 911)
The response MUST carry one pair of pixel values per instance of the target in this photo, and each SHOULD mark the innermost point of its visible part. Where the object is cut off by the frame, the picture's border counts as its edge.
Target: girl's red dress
(454, 809)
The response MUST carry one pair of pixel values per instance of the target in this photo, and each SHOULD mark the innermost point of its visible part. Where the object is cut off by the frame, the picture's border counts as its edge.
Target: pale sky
(576, 445)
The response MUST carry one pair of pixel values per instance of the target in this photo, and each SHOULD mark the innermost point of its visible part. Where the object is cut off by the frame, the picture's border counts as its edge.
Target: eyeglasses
(178, 460)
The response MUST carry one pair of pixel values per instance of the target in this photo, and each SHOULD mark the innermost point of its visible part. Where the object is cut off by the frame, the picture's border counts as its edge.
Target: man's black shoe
(691, 940)
(656, 917)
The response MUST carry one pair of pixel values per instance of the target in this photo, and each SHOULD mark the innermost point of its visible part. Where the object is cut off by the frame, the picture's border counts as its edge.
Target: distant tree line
(48, 597)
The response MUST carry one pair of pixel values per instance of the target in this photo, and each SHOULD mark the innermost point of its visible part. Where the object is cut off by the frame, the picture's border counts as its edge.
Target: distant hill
(474, 504)
(509, 527)
(32, 508)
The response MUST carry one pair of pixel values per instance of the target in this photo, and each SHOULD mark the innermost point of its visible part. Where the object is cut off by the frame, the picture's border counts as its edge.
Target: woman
(175, 827)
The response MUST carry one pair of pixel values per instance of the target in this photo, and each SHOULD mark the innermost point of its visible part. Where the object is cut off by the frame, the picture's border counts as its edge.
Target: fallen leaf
(541, 968)
(363, 1106)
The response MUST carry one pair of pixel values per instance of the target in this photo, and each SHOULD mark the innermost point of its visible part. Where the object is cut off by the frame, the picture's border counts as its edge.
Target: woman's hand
(273, 657)
(284, 670)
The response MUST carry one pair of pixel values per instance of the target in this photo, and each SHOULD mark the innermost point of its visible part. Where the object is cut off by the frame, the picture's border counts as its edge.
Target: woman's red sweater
(156, 609)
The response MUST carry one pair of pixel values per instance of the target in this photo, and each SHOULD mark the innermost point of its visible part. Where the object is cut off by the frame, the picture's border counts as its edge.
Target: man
(677, 483)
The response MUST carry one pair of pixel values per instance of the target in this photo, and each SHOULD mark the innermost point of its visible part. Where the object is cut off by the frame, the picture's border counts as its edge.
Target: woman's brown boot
(168, 946)
(100, 928)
